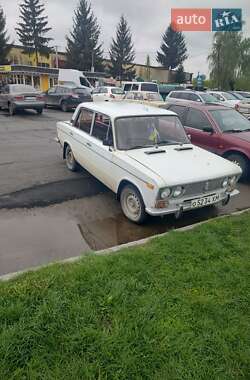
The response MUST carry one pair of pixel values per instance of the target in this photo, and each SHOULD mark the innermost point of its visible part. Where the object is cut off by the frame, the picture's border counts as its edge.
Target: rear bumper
(185, 205)
(29, 105)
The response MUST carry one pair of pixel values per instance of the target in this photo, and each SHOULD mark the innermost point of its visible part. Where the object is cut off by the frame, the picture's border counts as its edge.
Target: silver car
(15, 97)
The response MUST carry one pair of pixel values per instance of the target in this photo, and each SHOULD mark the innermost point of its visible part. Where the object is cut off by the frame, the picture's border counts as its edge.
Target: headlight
(178, 191)
(225, 183)
(232, 180)
(165, 193)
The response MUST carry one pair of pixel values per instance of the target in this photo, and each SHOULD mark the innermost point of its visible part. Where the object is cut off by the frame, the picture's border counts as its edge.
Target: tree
(122, 52)
(4, 39)
(173, 51)
(228, 58)
(180, 74)
(33, 28)
(83, 47)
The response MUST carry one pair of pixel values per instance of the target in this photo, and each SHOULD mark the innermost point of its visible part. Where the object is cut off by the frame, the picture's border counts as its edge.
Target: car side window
(135, 87)
(173, 95)
(52, 90)
(102, 128)
(103, 90)
(196, 119)
(127, 87)
(6, 90)
(193, 97)
(179, 110)
(84, 120)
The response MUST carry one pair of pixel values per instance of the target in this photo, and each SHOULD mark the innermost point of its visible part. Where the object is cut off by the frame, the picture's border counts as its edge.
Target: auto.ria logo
(226, 20)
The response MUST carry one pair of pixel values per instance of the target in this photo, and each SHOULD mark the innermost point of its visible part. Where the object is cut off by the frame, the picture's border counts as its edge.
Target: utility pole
(92, 62)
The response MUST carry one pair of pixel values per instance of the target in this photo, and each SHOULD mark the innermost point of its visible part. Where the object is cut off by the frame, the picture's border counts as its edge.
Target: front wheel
(241, 162)
(132, 204)
(11, 109)
(70, 159)
(64, 107)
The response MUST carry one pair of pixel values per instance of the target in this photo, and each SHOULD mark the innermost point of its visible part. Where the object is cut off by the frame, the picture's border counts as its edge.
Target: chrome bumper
(182, 205)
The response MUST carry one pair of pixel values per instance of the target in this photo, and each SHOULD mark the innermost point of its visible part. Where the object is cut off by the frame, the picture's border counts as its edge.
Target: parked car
(144, 155)
(245, 94)
(194, 96)
(140, 86)
(15, 97)
(150, 98)
(107, 94)
(225, 98)
(244, 105)
(67, 98)
(218, 129)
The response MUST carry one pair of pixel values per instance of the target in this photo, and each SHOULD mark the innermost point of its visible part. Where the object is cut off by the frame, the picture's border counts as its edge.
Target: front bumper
(182, 205)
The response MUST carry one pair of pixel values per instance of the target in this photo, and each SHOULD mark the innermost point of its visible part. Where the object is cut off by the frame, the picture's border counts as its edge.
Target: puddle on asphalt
(31, 238)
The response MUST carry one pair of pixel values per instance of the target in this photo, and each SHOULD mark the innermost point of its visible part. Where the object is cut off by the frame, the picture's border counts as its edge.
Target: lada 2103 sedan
(143, 155)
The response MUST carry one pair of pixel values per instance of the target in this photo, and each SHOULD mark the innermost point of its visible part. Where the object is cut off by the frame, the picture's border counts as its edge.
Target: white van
(140, 86)
(73, 78)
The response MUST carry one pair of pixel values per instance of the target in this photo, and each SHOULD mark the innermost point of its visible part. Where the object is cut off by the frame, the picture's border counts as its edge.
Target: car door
(81, 141)
(101, 149)
(50, 97)
(196, 123)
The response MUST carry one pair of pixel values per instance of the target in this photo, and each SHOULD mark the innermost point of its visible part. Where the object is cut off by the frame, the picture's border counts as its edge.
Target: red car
(218, 129)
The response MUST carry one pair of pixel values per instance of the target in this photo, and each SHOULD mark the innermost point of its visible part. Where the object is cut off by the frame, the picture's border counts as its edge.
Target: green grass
(176, 308)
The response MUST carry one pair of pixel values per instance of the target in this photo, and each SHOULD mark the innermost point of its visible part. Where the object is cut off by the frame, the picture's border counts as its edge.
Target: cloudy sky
(148, 19)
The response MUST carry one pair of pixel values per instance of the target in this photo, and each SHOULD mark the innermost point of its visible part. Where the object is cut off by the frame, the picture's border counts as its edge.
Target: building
(22, 69)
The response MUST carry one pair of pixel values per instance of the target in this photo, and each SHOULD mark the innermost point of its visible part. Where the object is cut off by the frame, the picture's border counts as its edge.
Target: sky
(147, 19)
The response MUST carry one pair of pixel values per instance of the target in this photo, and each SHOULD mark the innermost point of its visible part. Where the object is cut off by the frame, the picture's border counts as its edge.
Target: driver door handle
(88, 144)
(71, 133)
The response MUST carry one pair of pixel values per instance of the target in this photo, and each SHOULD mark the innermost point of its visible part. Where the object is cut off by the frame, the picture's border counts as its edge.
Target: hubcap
(70, 158)
(132, 206)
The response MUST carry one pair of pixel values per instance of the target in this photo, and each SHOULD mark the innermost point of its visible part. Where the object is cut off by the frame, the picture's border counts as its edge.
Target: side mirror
(189, 137)
(208, 130)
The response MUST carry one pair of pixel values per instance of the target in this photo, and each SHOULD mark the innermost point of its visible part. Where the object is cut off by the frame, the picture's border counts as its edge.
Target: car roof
(198, 105)
(125, 109)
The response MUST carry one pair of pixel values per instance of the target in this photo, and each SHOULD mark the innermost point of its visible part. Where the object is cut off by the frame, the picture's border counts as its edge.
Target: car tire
(241, 161)
(64, 107)
(70, 159)
(39, 111)
(132, 204)
(11, 109)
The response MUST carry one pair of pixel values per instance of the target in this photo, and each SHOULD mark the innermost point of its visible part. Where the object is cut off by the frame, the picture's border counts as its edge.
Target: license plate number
(205, 201)
(29, 98)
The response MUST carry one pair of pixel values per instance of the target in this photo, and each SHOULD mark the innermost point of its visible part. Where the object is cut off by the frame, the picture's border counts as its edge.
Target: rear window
(151, 87)
(22, 88)
(81, 91)
(117, 91)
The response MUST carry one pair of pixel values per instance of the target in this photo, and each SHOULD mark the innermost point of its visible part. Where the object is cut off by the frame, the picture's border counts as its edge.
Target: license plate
(29, 98)
(205, 201)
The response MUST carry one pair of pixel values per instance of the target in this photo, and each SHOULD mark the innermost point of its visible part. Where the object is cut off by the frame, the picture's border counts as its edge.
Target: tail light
(19, 97)
(112, 96)
(74, 96)
(237, 107)
(40, 97)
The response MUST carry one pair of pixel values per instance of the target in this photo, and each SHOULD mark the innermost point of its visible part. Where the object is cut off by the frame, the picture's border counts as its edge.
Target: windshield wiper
(233, 131)
(140, 147)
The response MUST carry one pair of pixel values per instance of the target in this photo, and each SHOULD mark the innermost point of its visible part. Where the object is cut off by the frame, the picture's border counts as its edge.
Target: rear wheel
(11, 109)
(70, 159)
(64, 107)
(39, 111)
(241, 161)
(132, 204)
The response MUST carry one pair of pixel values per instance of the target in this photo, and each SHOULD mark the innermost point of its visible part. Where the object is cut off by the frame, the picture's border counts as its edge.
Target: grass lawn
(176, 308)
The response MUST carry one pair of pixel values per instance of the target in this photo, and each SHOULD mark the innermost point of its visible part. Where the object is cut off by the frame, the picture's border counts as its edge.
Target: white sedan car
(226, 98)
(107, 94)
(143, 155)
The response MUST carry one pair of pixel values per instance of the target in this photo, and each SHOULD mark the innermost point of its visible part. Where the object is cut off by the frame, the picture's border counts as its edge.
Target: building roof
(124, 109)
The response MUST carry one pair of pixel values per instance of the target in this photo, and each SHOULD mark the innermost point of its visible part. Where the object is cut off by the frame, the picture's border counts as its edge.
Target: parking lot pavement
(29, 155)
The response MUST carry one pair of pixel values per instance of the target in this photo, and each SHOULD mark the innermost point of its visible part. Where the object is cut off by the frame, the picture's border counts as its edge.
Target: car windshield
(228, 96)
(117, 91)
(144, 131)
(238, 96)
(22, 88)
(208, 98)
(230, 120)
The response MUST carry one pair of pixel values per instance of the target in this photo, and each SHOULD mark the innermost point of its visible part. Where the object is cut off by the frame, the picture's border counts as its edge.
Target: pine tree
(83, 47)
(33, 28)
(122, 52)
(180, 74)
(4, 39)
(173, 49)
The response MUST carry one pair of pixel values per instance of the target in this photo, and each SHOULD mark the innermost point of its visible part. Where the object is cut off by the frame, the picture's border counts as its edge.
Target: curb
(117, 248)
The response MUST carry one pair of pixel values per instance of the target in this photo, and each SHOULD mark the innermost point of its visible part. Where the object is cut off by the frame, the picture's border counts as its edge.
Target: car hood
(183, 166)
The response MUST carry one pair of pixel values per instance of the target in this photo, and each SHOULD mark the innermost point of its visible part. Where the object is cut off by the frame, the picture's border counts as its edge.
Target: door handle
(88, 144)
(71, 133)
